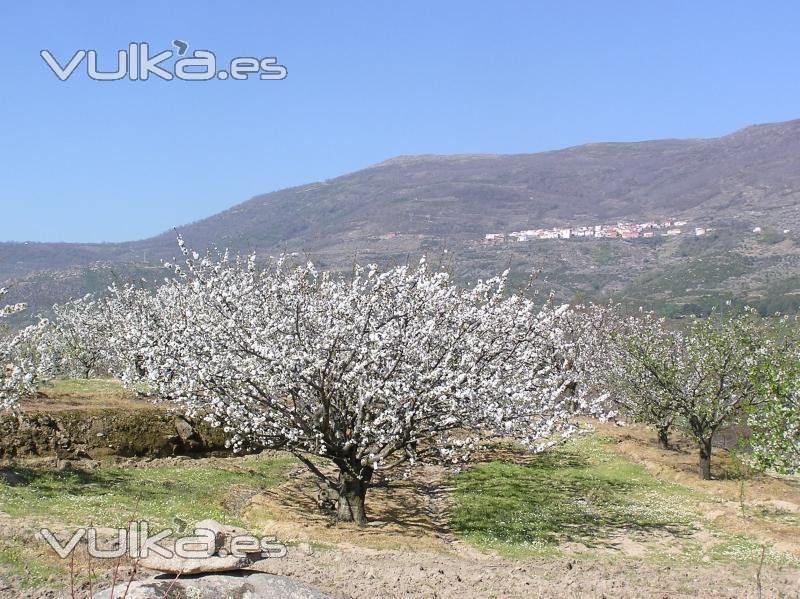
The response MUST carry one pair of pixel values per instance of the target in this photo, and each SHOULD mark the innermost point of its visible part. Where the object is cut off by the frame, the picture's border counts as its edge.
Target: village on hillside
(622, 230)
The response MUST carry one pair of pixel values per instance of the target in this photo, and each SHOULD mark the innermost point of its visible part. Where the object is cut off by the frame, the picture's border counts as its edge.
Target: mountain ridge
(415, 204)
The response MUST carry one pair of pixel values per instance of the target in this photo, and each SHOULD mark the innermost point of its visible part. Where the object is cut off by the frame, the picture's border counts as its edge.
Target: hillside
(421, 204)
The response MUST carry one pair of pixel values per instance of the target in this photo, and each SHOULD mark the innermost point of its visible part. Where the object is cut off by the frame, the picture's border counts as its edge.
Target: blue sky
(106, 161)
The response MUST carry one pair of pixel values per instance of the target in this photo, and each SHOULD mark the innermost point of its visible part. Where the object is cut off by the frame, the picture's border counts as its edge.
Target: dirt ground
(359, 572)
(731, 494)
(96, 394)
(408, 550)
(350, 571)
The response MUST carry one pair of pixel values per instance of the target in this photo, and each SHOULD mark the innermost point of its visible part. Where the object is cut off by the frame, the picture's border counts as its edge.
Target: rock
(305, 549)
(326, 497)
(207, 565)
(242, 585)
(11, 478)
(188, 436)
(65, 465)
(219, 555)
(170, 445)
(222, 532)
(72, 453)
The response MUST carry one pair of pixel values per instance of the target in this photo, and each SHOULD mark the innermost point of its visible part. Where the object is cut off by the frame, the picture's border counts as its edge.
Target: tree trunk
(704, 464)
(663, 438)
(352, 492)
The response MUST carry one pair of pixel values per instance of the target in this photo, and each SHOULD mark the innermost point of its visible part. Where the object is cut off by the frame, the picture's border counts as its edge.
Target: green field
(112, 496)
(592, 500)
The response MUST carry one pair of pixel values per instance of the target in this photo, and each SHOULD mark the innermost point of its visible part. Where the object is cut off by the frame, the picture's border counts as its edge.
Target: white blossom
(374, 371)
(19, 357)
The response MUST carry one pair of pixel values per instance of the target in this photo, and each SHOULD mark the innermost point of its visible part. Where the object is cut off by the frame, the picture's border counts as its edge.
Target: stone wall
(95, 433)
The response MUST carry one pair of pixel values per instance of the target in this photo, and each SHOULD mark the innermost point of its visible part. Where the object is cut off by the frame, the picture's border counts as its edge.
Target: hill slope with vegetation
(412, 205)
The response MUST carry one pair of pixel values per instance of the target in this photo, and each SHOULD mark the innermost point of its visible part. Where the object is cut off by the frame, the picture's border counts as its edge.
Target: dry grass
(764, 507)
(403, 515)
(85, 395)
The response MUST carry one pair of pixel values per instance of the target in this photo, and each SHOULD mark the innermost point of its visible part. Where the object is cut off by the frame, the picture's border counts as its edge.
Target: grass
(112, 496)
(580, 493)
(774, 515)
(84, 394)
(109, 387)
(31, 567)
(585, 499)
(582, 499)
(741, 549)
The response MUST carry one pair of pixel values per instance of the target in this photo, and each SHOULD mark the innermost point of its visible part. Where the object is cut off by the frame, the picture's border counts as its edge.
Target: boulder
(219, 556)
(11, 478)
(241, 585)
(222, 532)
(190, 440)
(206, 565)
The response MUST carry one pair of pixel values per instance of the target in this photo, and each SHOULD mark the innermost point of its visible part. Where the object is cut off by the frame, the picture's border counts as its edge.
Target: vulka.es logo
(137, 542)
(137, 64)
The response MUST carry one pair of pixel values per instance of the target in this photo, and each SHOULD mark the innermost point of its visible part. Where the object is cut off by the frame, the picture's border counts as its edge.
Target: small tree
(372, 372)
(635, 352)
(18, 357)
(721, 352)
(77, 340)
(775, 425)
(702, 374)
